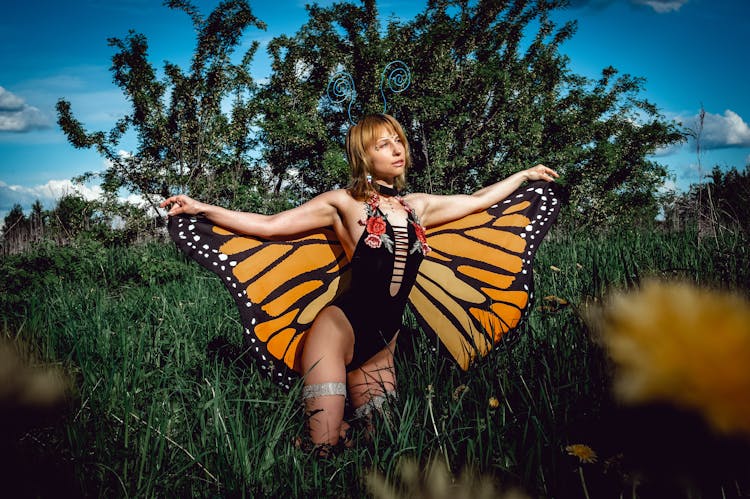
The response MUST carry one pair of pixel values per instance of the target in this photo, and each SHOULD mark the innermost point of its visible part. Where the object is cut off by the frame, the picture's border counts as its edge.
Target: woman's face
(387, 155)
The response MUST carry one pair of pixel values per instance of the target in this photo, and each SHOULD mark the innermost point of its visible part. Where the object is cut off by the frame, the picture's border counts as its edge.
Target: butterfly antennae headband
(396, 76)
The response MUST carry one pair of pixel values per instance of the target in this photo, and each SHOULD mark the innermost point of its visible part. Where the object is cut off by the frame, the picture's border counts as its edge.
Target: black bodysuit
(375, 315)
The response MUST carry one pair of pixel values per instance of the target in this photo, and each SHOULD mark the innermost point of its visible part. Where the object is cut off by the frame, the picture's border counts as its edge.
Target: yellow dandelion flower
(677, 343)
(494, 403)
(583, 452)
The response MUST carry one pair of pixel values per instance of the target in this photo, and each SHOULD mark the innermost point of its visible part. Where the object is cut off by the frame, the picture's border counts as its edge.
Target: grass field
(157, 409)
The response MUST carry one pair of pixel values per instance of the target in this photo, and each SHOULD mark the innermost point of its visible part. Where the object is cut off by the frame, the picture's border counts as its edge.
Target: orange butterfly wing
(476, 283)
(278, 286)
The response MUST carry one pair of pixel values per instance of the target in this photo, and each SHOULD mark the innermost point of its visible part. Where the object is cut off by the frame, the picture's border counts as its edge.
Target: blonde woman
(349, 348)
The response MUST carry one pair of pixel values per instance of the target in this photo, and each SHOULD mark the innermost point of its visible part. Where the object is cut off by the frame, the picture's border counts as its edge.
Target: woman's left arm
(436, 210)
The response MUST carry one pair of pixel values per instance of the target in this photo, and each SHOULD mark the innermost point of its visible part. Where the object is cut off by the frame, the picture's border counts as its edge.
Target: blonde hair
(359, 138)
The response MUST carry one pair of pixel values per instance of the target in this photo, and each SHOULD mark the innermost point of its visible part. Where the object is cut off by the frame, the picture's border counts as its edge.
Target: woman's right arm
(319, 212)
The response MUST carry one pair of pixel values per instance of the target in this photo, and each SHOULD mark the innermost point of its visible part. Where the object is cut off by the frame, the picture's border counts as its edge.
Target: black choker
(388, 191)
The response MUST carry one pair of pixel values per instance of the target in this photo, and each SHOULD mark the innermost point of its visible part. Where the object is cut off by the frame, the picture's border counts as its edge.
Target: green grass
(155, 413)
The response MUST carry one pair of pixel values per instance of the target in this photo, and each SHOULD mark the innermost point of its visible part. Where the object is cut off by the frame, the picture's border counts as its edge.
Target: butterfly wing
(278, 286)
(476, 283)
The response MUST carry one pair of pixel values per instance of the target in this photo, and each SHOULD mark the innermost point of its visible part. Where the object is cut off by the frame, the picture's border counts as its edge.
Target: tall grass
(160, 411)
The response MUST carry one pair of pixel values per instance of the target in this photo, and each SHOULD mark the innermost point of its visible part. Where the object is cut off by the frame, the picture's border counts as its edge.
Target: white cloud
(669, 186)
(659, 6)
(668, 150)
(686, 174)
(17, 116)
(662, 6)
(720, 130)
(47, 194)
(9, 101)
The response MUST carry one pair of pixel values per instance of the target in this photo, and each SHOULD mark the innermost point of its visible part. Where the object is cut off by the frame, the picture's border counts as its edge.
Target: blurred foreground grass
(158, 410)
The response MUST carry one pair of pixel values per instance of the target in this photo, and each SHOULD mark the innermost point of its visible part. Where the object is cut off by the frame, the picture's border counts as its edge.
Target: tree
(491, 93)
(724, 197)
(14, 220)
(38, 217)
(186, 141)
(73, 215)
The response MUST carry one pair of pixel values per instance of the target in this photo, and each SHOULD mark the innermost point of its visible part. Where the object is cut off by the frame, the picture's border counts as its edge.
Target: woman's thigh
(328, 347)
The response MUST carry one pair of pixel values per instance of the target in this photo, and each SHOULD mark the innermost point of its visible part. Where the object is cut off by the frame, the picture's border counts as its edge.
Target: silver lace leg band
(322, 389)
(375, 404)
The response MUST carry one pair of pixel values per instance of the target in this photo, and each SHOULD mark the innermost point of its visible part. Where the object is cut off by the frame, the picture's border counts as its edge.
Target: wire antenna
(397, 76)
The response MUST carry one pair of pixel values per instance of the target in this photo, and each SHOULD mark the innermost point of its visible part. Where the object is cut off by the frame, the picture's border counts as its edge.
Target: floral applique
(421, 242)
(375, 225)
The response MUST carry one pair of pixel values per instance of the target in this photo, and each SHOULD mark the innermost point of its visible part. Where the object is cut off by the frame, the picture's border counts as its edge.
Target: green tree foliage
(491, 94)
(74, 214)
(186, 139)
(14, 220)
(38, 217)
(17, 230)
(719, 203)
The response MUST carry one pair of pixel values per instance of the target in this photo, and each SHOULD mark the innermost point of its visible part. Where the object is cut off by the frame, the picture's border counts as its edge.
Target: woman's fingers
(169, 200)
(542, 172)
(178, 204)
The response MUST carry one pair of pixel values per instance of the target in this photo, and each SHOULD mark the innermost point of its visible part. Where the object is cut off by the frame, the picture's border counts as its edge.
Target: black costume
(379, 260)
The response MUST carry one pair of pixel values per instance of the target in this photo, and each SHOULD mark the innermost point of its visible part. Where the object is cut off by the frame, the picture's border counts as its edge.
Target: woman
(351, 342)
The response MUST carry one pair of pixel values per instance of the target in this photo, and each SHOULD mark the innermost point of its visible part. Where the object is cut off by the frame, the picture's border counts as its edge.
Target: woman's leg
(372, 384)
(329, 346)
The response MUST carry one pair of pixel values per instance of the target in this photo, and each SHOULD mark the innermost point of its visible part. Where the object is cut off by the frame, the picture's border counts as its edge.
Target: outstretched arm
(436, 210)
(319, 212)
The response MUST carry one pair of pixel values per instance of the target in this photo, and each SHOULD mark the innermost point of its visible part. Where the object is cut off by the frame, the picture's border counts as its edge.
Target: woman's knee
(371, 380)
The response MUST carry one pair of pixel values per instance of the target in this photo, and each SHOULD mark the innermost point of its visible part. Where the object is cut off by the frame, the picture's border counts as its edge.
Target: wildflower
(554, 304)
(494, 403)
(459, 390)
(556, 300)
(583, 452)
(585, 455)
(674, 342)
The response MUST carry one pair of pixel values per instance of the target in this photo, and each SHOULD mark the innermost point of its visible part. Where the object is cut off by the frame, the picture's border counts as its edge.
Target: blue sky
(691, 53)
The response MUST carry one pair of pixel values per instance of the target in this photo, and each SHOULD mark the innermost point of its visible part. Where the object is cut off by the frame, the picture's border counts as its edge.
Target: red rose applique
(375, 225)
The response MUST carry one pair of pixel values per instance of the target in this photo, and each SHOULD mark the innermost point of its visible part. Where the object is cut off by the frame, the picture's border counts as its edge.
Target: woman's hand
(540, 172)
(182, 204)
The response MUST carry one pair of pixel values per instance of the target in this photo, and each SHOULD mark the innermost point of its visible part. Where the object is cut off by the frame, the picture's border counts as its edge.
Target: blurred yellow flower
(494, 402)
(434, 482)
(678, 343)
(583, 452)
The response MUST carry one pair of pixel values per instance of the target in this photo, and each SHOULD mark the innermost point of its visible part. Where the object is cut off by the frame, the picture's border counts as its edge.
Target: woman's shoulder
(416, 200)
(336, 196)
(329, 196)
(341, 199)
